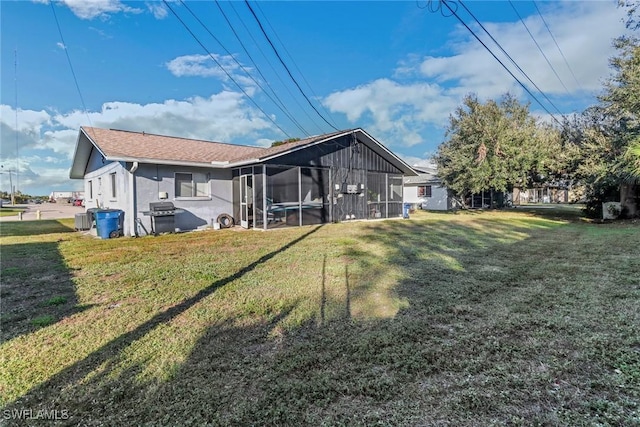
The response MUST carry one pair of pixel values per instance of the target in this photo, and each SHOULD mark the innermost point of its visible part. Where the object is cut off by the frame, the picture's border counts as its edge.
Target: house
(551, 192)
(344, 175)
(426, 190)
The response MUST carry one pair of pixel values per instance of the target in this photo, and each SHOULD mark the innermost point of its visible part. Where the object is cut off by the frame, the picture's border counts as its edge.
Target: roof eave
(81, 154)
(147, 160)
(401, 164)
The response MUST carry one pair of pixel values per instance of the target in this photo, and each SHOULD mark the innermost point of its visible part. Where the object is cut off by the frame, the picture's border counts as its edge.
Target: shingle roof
(272, 151)
(118, 144)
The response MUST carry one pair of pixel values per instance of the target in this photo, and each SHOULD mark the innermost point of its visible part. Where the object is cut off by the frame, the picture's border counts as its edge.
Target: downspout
(132, 200)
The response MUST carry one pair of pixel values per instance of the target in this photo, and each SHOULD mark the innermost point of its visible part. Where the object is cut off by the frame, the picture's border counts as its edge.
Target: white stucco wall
(100, 192)
(438, 200)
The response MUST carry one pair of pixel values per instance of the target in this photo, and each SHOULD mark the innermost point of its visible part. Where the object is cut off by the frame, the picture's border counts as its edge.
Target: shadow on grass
(37, 289)
(105, 354)
(34, 228)
(482, 341)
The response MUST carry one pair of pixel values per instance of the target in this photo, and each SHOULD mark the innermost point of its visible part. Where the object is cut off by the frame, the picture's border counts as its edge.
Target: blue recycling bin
(405, 210)
(109, 222)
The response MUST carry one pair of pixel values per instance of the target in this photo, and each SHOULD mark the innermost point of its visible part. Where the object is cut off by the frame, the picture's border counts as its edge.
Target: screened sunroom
(275, 196)
(344, 176)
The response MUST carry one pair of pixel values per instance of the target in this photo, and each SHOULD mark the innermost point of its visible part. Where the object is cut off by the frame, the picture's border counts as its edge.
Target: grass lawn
(523, 317)
(10, 211)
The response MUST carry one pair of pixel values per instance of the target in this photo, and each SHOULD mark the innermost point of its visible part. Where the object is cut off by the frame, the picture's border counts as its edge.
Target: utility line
(243, 69)
(73, 73)
(222, 68)
(277, 74)
(558, 46)
(500, 62)
(285, 65)
(509, 56)
(282, 105)
(538, 46)
(294, 62)
(15, 81)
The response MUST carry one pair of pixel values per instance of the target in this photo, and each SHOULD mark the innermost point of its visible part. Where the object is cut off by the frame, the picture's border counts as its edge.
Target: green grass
(524, 317)
(42, 321)
(10, 211)
(57, 300)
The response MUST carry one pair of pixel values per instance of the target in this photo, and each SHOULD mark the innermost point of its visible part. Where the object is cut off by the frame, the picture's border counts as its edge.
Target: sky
(206, 70)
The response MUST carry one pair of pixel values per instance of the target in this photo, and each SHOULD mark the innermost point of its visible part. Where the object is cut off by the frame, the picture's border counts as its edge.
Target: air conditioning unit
(82, 221)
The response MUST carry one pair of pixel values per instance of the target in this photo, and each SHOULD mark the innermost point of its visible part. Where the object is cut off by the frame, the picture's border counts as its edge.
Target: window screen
(191, 185)
(112, 179)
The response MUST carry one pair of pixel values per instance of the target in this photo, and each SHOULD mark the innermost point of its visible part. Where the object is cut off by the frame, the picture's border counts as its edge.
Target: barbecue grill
(162, 217)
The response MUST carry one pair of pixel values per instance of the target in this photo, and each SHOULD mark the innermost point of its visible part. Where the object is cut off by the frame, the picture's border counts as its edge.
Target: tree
(633, 157)
(286, 141)
(495, 145)
(611, 135)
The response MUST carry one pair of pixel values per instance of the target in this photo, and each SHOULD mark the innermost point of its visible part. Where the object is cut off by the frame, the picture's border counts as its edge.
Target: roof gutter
(243, 163)
(158, 161)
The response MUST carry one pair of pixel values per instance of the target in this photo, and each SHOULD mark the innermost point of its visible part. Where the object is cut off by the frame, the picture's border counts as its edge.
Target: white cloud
(158, 9)
(398, 112)
(221, 117)
(425, 162)
(45, 141)
(472, 68)
(425, 90)
(264, 142)
(90, 9)
(201, 65)
(206, 66)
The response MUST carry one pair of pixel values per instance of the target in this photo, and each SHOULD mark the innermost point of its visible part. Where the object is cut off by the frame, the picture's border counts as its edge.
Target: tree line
(498, 145)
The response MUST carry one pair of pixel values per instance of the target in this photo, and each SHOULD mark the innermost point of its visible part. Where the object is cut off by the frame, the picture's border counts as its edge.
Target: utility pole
(10, 171)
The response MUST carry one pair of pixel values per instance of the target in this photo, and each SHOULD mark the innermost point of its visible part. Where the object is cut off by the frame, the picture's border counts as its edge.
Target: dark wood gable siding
(350, 163)
(338, 153)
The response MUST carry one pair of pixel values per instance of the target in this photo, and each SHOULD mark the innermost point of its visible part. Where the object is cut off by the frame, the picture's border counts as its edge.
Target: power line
(509, 57)
(539, 48)
(286, 113)
(73, 73)
(558, 46)
(222, 68)
(285, 65)
(282, 104)
(293, 60)
(15, 80)
(499, 61)
(277, 74)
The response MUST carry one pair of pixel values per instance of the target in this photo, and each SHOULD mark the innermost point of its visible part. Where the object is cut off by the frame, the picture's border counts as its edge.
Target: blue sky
(395, 68)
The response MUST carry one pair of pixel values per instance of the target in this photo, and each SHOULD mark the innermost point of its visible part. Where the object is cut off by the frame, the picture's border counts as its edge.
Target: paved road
(47, 211)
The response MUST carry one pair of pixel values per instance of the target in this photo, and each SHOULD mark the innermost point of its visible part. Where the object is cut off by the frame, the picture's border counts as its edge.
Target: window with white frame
(90, 189)
(191, 184)
(424, 191)
(112, 180)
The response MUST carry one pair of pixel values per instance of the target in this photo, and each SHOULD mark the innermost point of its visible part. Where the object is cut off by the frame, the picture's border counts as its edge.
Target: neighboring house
(547, 193)
(426, 191)
(335, 177)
